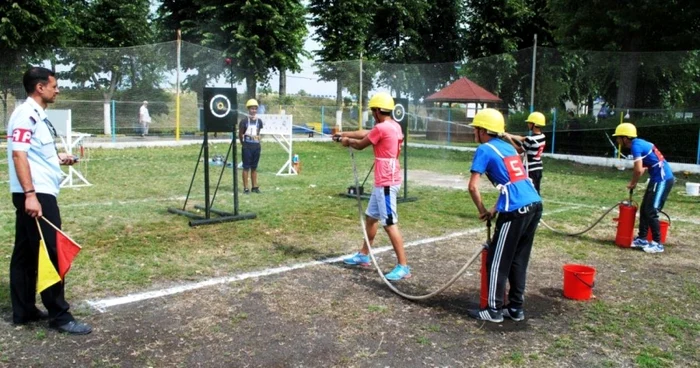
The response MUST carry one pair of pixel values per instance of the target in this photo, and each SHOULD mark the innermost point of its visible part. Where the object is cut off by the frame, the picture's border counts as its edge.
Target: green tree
(394, 41)
(631, 29)
(173, 15)
(201, 64)
(394, 31)
(29, 32)
(341, 27)
(256, 36)
(102, 61)
(441, 45)
(288, 45)
(497, 30)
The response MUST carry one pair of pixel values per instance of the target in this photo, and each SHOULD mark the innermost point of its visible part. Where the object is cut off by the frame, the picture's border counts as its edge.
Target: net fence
(583, 94)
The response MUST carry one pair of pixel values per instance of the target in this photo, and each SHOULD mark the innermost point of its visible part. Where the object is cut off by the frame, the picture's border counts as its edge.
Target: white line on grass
(113, 203)
(693, 221)
(102, 305)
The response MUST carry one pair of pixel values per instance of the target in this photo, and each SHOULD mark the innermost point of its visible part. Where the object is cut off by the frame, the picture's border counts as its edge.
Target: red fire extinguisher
(625, 223)
(484, 296)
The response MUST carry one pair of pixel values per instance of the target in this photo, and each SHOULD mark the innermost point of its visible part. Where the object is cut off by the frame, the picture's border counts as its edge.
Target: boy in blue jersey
(661, 180)
(519, 209)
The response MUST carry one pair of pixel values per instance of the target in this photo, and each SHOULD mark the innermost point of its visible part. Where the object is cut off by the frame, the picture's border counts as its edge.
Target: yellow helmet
(626, 130)
(382, 101)
(251, 102)
(489, 119)
(536, 118)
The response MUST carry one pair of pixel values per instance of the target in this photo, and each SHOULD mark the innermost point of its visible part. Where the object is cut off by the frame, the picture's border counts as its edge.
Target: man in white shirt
(35, 176)
(144, 118)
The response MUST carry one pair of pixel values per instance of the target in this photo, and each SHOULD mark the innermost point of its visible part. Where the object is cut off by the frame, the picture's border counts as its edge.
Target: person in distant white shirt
(144, 118)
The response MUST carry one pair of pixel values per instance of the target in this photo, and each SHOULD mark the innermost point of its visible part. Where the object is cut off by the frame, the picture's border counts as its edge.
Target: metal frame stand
(224, 216)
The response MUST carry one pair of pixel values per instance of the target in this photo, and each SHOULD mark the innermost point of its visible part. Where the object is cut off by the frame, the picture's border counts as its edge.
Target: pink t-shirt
(386, 138)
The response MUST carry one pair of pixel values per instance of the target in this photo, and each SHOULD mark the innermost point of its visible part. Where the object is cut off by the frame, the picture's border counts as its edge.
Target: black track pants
(653, 202)
(509, 254)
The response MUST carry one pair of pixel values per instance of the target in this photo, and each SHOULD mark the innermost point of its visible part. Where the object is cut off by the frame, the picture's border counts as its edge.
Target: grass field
(644, 314)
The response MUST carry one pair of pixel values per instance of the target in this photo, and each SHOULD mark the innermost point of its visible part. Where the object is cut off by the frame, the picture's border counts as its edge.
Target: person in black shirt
(532, 145)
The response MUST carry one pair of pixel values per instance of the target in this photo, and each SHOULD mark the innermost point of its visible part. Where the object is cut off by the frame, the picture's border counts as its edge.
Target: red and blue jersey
(504, 168)
(652, 159)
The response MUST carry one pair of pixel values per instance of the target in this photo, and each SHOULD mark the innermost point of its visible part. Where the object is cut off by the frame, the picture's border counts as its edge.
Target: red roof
(463, 90)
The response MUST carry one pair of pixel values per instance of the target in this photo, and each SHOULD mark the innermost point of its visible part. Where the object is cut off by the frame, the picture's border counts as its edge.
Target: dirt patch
(429, 178)
(432, 179)
(330, 315)
(322, 316)
(334, 316)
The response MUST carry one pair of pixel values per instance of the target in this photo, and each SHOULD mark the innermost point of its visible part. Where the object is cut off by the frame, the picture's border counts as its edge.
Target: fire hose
(629, 201)
(596, 222)
(376, 264)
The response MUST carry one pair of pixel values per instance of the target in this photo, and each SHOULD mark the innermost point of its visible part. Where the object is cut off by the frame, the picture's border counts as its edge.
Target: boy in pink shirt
(386, 138)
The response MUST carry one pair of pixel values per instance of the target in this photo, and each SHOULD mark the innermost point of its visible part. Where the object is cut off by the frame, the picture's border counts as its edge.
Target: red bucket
(663, 227)
(579, 281)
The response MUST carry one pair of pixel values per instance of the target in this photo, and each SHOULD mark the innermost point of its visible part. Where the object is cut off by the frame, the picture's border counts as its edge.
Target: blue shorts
(382, 205)
(251, 156)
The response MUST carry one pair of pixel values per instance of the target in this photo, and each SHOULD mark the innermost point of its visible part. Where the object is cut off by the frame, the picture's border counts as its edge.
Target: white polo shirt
(30, 133)
(143, 113)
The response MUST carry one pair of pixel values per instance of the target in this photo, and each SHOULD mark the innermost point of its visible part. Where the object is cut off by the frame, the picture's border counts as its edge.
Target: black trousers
(24, 263)
(509, 254)
(536, 177)
(654, 199)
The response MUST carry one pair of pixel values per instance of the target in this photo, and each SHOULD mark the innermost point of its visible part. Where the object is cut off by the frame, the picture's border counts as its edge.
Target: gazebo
(463, 91)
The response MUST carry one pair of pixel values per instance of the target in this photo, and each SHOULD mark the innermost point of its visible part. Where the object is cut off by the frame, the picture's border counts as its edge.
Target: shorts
(251, 156)
(382, 205)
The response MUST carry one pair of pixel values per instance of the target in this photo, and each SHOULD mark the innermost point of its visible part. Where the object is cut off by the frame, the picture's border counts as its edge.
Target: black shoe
(516, 314)
(39, 315)
(255, 190)
(486, 315)
(73, 328)
(246, 191)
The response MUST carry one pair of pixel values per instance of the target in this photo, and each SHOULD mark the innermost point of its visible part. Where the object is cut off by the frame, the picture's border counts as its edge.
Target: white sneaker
(639, 243)
(654, 247)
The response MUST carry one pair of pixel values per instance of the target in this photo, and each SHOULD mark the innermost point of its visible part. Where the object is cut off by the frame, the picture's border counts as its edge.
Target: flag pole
(41, 234)
(177, 89)
(57, 229)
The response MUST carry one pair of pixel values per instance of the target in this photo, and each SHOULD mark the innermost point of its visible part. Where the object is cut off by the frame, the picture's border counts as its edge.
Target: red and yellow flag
(67, 250)
(47, 275)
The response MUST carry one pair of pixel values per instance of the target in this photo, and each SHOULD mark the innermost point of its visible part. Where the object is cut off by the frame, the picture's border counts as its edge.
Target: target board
(220, 109)
(399, 113)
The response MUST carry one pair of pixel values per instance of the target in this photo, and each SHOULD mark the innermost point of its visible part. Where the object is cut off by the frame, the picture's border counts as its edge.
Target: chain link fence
(584, 94)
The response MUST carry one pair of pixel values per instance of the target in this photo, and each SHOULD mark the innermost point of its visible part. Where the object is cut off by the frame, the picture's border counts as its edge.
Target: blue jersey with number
(504, 168)
(652, 159)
